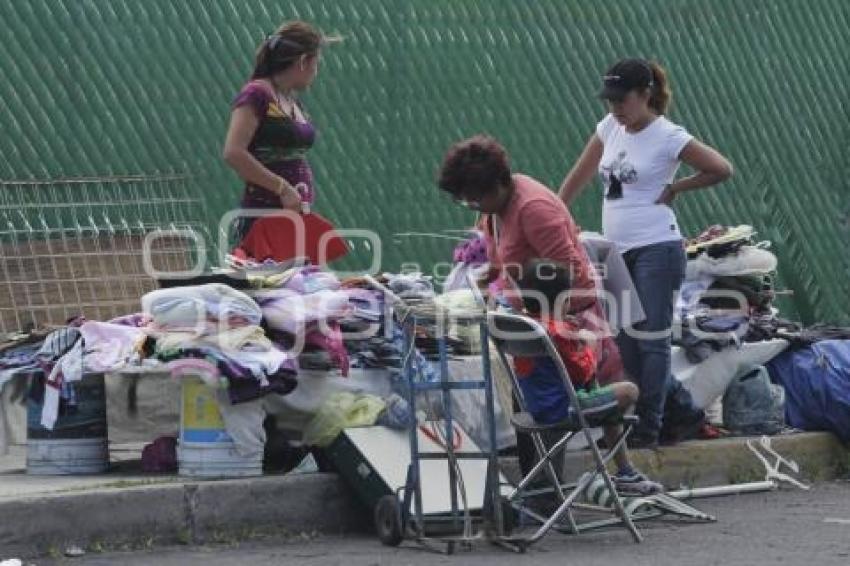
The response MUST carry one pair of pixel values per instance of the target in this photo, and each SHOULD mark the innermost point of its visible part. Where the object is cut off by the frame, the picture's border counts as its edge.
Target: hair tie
(275, 40)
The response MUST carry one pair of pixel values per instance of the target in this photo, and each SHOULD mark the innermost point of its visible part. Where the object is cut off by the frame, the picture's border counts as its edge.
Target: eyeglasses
(466, 203)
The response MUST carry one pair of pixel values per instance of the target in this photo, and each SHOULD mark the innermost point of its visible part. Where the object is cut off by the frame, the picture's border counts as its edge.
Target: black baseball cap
(624, 76)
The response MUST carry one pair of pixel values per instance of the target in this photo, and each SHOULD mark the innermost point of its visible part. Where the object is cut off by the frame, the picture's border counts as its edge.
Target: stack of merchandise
(726, 302)
(214, 331)
(727, 296)
(382, 345)
(59, 359)
(302, 309)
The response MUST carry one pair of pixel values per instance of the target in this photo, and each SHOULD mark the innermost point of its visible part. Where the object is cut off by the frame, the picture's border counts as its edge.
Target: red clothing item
(577, 356)
(274, 237)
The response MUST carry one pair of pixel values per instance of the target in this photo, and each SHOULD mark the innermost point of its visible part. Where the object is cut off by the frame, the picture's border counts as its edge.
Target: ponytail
(659, 99)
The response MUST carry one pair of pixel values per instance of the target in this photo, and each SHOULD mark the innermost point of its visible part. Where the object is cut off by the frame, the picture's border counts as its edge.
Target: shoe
(709, 432)
(636, 483)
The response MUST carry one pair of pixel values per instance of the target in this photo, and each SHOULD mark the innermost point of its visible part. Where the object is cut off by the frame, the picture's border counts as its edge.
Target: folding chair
(515, 335)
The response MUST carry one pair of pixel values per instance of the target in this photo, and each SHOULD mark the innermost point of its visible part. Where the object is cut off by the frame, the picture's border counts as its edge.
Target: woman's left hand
(668, 196)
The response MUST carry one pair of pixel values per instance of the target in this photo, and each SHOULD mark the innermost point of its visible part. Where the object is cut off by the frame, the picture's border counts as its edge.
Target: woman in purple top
(270, 133)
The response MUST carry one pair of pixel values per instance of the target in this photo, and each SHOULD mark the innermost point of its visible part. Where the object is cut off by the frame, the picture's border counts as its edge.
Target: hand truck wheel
(388, 521)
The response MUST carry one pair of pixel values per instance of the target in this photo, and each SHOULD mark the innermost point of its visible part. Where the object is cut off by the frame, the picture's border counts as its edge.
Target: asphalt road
(780, 528)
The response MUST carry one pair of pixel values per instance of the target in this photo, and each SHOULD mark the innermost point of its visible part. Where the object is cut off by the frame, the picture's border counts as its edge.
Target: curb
(190, 513)
(301, 505)
(723, 461)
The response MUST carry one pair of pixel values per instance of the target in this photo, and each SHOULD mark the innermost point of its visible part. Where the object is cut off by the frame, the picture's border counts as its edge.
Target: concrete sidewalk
(44, 515)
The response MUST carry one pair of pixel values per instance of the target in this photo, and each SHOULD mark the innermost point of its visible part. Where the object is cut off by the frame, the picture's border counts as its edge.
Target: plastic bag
(817, 386)
(342, 410)
(753, 405)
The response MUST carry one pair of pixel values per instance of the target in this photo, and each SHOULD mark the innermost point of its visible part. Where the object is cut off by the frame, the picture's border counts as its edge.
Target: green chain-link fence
(99, 88)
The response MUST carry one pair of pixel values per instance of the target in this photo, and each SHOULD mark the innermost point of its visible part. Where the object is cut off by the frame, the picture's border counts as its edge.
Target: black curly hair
(474, 168)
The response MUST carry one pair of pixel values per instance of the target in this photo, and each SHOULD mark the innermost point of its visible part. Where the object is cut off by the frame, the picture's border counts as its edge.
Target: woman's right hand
(290, 200)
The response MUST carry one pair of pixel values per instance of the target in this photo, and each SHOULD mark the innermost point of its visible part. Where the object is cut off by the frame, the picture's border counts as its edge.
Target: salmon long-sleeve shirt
(537, 224)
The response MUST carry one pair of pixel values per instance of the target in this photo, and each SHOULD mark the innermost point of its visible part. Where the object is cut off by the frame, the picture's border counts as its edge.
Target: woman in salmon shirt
(523, 220)
(521, 217)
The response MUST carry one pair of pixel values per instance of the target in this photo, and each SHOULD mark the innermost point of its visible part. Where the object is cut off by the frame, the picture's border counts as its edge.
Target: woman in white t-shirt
(636, 152)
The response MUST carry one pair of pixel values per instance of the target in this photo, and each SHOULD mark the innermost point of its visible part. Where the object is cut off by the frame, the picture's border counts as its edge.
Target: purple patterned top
(280, 143)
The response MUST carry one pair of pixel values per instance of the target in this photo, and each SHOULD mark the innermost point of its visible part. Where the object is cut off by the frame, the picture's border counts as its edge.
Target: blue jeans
(657, 271)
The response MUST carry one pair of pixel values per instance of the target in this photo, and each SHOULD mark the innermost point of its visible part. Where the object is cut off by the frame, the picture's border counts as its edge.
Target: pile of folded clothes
(302, 312)
(219, 328)
(728, 292)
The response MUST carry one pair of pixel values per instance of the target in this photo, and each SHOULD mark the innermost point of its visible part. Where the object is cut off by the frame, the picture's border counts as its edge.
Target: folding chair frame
(533, 340)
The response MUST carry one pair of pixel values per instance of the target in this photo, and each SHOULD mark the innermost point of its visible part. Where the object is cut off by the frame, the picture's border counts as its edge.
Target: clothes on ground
(108, 346)
(726, 300)
(397, 413)
(160, 456)
(202, 368)
(59, 360)
(250, 374)
(306, 311)
(330, 340)
(16, 360)
(712, 334)
(729, 326)
(310, 279)
(708, 380)
(221, 326)
(138, 320)
(748, 260)
(744, 293)
(64, 356)
(251, 338)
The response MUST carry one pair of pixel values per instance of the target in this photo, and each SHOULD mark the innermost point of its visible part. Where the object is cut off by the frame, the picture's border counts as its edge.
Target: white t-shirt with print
(634, 170)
